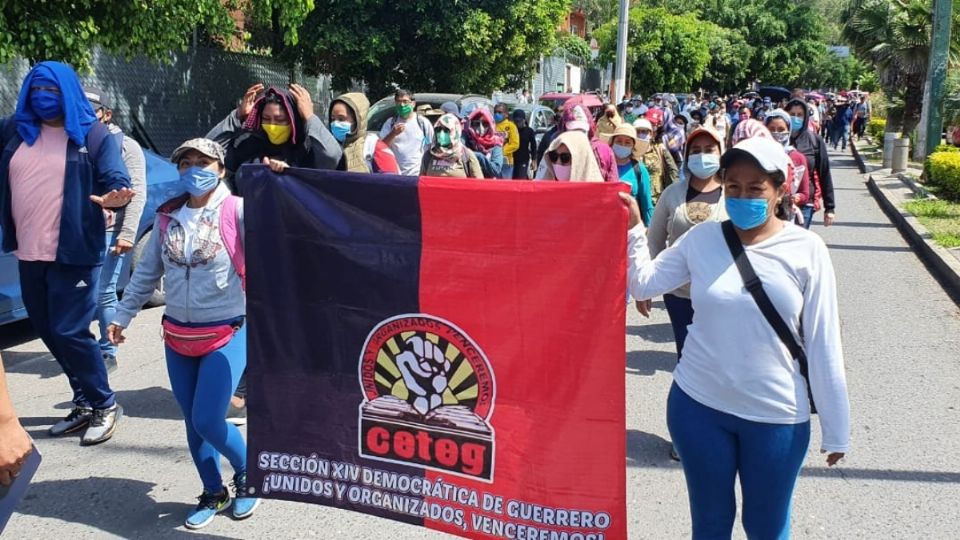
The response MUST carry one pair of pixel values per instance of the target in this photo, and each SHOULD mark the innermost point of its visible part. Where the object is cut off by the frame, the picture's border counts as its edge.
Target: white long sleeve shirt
(733, 360)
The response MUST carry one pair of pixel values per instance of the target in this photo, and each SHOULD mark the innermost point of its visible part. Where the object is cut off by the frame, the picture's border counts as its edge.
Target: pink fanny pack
(196, 342)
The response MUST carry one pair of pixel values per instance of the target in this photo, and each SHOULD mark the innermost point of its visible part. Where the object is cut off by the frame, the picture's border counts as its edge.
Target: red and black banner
(442, 352)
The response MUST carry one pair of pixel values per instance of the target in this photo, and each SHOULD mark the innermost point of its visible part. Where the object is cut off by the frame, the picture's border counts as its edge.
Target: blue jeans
(107, 293)
(506, 171)
(61, 301)
(715, 448)
(807, 216)
(680, 311)
(202, 387)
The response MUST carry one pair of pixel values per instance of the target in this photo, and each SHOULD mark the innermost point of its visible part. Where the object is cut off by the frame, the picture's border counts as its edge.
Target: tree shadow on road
(650, 362)
(648, 450)
(116, 506)
(654, 333)
(154, 402)
(42, 364)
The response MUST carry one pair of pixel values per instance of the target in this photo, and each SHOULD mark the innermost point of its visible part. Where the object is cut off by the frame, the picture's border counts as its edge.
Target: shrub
(926, 162)
(946, 148)
(944, 172)
(875, 129)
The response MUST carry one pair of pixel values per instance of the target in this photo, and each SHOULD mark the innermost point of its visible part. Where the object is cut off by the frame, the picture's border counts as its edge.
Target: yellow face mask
(278, 134)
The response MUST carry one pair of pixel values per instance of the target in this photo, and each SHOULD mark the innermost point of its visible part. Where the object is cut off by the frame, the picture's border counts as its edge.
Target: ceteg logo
(428, 396)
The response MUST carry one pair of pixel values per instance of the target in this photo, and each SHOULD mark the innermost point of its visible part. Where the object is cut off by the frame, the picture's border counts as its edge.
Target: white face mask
(562, 172)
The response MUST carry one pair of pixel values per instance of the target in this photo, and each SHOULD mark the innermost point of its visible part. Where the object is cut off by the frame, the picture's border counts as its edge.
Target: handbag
(755, 288)
(197, 342)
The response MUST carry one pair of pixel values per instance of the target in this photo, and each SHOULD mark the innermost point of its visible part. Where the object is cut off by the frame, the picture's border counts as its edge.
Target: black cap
(98, 98)
(518, 113)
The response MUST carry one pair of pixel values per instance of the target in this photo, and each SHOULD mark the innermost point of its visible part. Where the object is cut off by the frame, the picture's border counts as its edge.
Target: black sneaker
(78, 419)
(210, 505)
(110, 361)
(103, 424)
(673, 453)
(237, 415)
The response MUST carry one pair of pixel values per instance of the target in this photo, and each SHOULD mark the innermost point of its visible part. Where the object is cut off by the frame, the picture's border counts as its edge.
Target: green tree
(784, 35)
(729, 60)
(68, 31)
(575, 45)
(430, 45)
(894, 36)
(666, 52)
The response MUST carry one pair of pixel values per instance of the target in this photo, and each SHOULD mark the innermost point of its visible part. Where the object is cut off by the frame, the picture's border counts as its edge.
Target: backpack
(229, 233)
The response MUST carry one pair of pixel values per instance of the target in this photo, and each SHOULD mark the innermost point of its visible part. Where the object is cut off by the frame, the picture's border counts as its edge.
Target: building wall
(575, 23)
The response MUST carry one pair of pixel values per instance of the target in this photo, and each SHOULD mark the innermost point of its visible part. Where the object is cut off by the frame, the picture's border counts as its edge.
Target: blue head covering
(78, 115)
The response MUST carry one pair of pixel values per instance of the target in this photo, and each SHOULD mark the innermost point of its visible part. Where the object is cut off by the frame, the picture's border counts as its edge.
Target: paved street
(902, 479)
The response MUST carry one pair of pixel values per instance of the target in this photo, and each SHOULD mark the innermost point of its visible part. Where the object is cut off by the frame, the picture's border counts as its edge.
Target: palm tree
(894, 35)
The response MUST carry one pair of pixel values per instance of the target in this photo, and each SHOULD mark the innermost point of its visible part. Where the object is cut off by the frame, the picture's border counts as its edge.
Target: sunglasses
(477, 126)
(555, 157)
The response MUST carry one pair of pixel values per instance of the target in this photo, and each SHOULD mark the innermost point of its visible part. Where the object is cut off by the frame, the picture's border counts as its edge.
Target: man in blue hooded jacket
(59, 168)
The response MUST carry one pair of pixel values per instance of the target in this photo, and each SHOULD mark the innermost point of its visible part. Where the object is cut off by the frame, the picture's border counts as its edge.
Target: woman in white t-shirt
(739, 404)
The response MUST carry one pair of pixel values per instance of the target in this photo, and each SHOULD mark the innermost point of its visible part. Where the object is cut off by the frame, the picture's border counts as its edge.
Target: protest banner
(446, 353)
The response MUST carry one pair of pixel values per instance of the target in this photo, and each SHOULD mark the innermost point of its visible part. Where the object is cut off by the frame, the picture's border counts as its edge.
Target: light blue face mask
(199, 181)
(622, 152)
(796, 124)
(340, 129)
(703, 166)
(747, 214)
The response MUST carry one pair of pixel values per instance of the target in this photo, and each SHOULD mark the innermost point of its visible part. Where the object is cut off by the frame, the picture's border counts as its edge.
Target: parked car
(163, 183)
(384, 109)
(539, 118)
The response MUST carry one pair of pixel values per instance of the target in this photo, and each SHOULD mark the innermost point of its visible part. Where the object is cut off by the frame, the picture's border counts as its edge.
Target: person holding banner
(742, 397)
(278, 128)
(198, 252)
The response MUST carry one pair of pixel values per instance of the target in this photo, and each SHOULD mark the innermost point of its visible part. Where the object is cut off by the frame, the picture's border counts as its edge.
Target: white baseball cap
(767, 153)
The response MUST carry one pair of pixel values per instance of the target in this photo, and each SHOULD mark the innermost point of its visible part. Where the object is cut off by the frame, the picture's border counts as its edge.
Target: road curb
(857, 157)
(944, 266)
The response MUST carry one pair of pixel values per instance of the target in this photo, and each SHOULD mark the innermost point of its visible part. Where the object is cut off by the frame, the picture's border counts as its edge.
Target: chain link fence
(163, 104)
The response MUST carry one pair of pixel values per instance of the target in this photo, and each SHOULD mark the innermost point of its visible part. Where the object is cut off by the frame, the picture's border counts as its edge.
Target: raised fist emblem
(424, 368)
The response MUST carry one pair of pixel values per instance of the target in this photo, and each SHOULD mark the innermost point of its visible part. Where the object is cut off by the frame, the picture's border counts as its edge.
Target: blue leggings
(202, 387)
(715, 447)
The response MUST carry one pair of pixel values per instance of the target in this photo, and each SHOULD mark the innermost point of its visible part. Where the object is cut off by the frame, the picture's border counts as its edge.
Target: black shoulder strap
(755, 288)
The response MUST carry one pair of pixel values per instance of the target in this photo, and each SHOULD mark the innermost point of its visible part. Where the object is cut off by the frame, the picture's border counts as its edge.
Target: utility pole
(620, 77)
(932, 116)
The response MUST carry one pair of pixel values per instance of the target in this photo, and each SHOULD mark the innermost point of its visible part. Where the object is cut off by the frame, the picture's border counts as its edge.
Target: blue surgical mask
(796, 124)
(46, 105)
(703, 165)
(498, 117)
(622, 152)
(199, 181)
(747, 214)
(340, 130)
